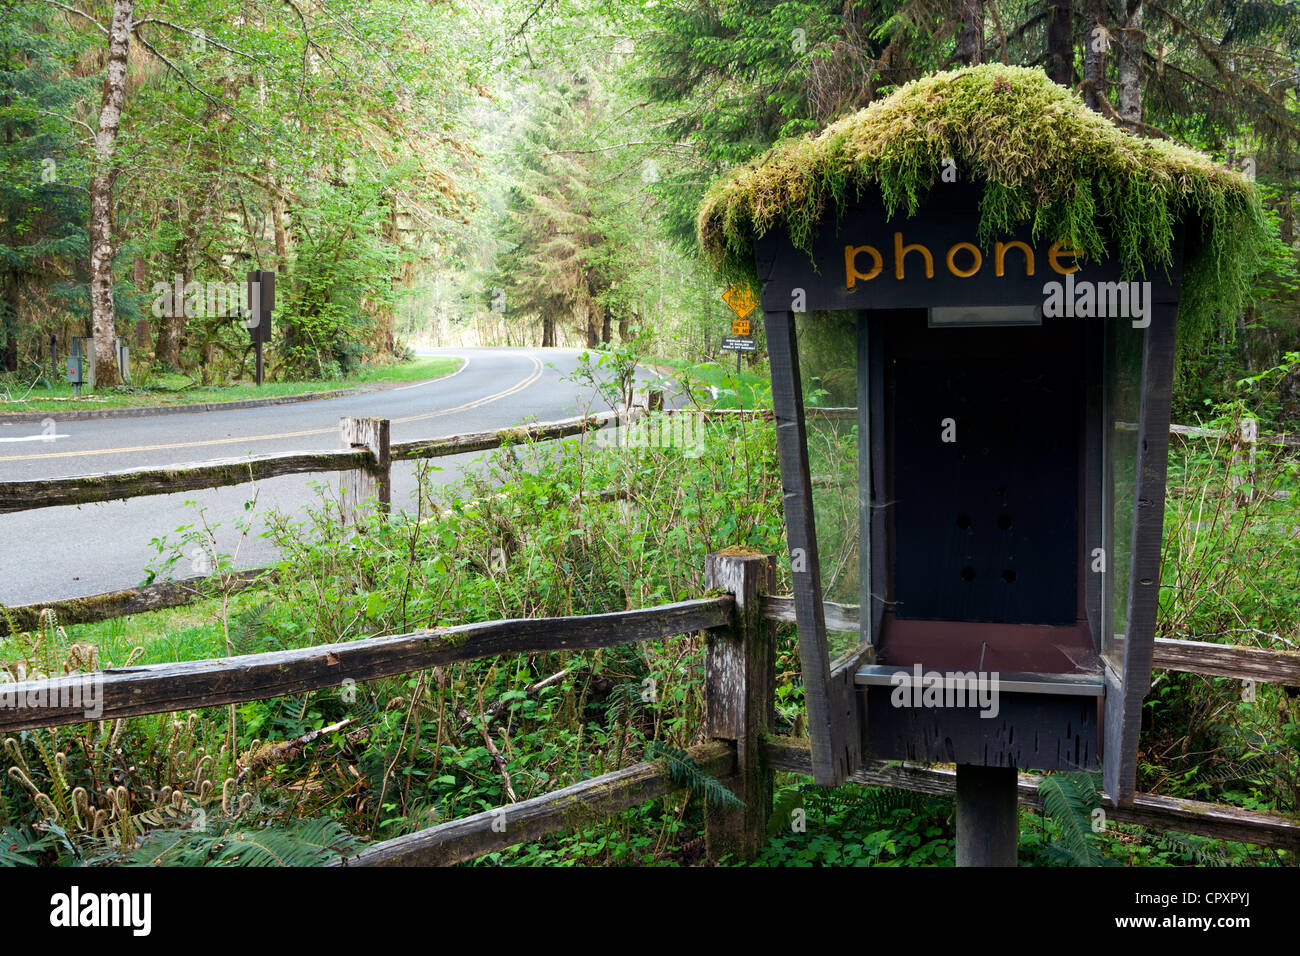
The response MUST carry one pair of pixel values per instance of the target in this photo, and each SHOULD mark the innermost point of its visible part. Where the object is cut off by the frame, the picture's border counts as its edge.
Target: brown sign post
(260, 301)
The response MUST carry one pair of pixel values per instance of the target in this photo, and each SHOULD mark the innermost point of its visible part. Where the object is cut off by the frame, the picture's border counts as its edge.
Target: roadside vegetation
(153, 390)
(520, 174)
(581, 528)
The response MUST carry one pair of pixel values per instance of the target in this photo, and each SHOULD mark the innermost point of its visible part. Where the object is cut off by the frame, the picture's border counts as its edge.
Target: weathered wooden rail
(27, 494)
(739, 745)
(578, 805)
(189, 685)
(127, 601)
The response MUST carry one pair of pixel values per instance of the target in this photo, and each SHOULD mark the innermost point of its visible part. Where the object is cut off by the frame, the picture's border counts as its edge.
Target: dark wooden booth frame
(837, 709)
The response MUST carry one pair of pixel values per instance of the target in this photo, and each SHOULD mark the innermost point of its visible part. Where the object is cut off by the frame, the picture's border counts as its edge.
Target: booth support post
(987, 827)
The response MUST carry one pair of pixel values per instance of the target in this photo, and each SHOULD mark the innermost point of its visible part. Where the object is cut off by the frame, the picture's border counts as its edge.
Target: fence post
(740, 692)
(375, 480)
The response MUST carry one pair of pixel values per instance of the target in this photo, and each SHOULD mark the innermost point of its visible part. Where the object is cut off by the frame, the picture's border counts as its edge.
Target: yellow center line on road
(519, 386)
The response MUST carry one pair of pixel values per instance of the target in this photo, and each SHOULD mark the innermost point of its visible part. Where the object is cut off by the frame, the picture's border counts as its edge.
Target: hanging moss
(1043, 159)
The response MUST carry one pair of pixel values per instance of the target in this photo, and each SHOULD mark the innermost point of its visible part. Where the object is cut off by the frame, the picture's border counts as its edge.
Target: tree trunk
(1060, 42)
(171, 325)
(548, 332)
(970, 46)
(140, 277)
(102, 313)
(1095, 43)
(281, 235)
(593, 320)
(622, 326)
(1130, 65)
(605, 331)
(9, 322)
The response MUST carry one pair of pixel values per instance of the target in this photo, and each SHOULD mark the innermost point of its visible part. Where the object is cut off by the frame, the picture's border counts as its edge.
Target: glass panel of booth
(838, 392)
(1123, 357)
(828, 368)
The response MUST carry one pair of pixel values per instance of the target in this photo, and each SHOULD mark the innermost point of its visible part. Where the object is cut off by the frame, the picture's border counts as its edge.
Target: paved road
(54, 553)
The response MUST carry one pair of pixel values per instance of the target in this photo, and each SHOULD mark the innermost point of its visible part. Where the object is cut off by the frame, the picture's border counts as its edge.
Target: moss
(1042, 157)
(741, 551)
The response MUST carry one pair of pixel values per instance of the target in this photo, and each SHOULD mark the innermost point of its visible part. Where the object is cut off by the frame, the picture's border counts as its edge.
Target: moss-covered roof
(1043, 158)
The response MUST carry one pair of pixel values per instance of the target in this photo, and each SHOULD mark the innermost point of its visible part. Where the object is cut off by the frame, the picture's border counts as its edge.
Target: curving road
(54, 553)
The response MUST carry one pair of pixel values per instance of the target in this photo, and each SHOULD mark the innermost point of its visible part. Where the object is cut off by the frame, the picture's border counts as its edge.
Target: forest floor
(159, 390)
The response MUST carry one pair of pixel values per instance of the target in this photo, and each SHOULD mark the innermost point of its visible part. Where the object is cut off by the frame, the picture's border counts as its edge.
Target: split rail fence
(738, 745)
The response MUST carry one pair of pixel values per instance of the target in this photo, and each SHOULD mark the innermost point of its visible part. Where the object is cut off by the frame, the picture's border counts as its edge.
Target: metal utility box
(81, 348)
(80, 363)
(76, 369)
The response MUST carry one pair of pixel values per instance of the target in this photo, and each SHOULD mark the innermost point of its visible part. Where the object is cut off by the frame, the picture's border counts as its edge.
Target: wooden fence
(739, 745)
(365, 464)
(366, 451)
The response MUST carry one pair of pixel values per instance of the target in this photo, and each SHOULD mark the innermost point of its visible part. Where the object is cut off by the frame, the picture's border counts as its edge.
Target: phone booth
(973, 433)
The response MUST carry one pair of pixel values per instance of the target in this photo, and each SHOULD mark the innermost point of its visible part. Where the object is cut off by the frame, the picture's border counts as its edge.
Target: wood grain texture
(25, 495)
(581, 804)
(162, 688)
(1123, 717)
(740, 690)
(374, 482)
(1146, 809)
(485, 441)
(1224, 660)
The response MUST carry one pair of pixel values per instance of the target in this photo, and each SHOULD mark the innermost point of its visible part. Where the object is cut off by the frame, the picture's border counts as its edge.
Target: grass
(188, 633)
(171, 389)
(746, 390)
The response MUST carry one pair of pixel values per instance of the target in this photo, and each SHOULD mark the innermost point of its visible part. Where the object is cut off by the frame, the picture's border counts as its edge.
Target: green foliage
(858, 826)
(19, 846)
(224, 842)
(686, 773)
(1070, 800)
(42, 208)
(736, 76)
(341, 277)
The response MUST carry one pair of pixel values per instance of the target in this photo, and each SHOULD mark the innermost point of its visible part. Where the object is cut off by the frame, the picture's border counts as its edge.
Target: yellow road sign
(740, 326)
(741, 301)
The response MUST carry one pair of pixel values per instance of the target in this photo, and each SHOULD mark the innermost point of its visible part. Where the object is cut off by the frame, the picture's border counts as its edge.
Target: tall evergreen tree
(42, 199)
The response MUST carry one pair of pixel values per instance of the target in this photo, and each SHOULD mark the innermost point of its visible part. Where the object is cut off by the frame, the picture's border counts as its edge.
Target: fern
(886, 801)
(1069, 799)
(10, 621)
(19, 846)
(686, 773)
(783, 807)
(1203, 851)
(1256, 764)
(226, 842)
